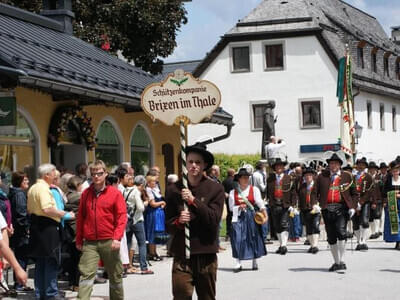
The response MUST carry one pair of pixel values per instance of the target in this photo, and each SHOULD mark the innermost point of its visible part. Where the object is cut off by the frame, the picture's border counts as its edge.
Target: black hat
(334, 157)
(348, 167)
(202, 150)
(394, 165)
(372, 165)
(308, 170)
(241, 172)
(383, 165)
(362, 160)
(279, 161)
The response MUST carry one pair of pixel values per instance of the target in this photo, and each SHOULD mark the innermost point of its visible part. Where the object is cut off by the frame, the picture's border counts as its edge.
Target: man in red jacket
(99, 228)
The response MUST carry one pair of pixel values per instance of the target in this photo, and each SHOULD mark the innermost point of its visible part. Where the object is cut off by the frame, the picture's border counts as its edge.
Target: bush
(235, 161)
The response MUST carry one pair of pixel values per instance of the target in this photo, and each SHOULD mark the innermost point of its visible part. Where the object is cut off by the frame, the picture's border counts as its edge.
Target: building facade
(288, 52)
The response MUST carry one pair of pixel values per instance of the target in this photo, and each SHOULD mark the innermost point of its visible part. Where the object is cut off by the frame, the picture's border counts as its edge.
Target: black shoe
(342, 266)
(315, 250)
(397, 247)
(284, 250)
(334, 267)
(379, 233)
(58, 297)
(364, 247)
(374, 236)
(279, 250)
(237, 270)
(307, 242)
(358, 248)
(310, 250)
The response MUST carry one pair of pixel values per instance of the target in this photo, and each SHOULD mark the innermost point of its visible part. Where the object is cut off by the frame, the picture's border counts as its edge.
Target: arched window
(108, 145)
(17, 152)
(141, 150)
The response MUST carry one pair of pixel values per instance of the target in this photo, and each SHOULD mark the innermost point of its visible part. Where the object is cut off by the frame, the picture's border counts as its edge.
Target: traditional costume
(335, 194)
(376, 200)
(310, 210)
(363, 182)
(246, 235)
(281, 192)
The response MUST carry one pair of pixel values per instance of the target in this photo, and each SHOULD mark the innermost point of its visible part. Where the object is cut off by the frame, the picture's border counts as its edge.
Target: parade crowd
(71, 225)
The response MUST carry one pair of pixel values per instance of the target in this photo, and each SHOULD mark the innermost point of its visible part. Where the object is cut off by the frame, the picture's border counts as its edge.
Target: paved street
(298, 275)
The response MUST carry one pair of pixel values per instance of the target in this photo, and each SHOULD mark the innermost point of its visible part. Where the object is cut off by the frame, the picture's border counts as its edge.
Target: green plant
(234, 161)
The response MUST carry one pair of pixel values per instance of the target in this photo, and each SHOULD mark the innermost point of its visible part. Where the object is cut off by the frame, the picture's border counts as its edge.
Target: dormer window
(373, 60)
(386, 64)
(360, 54)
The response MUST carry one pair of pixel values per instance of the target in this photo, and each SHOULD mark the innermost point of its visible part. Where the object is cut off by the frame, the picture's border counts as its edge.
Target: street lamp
(358, 132)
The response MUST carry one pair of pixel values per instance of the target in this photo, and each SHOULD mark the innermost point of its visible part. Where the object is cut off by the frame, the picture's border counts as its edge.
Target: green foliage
(225, 161)
(143, 30)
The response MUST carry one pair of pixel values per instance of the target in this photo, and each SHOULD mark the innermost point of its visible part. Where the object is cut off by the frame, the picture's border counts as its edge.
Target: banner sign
(8, 114)
(319, 148)
(180, 95)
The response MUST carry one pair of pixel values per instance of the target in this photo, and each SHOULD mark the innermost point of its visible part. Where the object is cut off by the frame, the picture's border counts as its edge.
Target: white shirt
(272, 149)
(235, 208)
(135, 202)
(3, 224)
(258, 180)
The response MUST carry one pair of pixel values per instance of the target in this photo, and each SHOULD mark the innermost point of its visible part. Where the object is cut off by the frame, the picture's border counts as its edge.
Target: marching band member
(376, 200)
(282, 197)
(363, 182)
(246, 235)
(333, 188)
(310, 209)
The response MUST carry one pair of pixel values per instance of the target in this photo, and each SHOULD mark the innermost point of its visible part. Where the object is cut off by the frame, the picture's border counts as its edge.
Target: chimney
(61, 11)
(396, 34)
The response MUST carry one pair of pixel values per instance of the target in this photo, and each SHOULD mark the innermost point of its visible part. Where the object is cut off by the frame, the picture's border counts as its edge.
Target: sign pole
(185, 184)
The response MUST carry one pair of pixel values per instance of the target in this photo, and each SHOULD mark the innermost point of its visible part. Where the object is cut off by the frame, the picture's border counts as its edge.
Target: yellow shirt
(39, 198)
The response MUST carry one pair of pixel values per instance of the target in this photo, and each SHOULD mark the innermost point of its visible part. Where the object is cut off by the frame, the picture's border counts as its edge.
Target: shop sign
(8, 114)
(180, 96)
(319, 148)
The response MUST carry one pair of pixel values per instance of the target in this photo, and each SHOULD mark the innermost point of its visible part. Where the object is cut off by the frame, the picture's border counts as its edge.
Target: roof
(334, 22)
(63, 64)
(188, 66)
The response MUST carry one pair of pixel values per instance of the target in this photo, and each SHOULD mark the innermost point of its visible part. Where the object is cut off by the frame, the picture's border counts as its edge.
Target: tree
(144, 31)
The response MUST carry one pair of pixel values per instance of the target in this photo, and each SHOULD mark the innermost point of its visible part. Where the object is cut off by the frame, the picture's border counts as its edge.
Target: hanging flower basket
(60, 123)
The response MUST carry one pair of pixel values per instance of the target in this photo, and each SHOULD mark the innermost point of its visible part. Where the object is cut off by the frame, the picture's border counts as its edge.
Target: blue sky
(210, 19)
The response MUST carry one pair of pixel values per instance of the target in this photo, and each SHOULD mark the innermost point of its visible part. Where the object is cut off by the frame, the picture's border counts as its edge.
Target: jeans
(138, 230)
(46, 271)
(295, 227)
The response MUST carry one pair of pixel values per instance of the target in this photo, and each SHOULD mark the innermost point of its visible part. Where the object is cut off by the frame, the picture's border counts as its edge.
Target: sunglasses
(98, 174)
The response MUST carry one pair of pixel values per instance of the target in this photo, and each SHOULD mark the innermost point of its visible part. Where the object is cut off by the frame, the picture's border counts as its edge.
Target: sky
(208, 20)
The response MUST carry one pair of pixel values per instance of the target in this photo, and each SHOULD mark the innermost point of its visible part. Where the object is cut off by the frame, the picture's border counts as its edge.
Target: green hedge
(225, 161)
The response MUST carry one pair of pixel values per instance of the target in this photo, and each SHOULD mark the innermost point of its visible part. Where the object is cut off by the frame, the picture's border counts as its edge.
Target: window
(373, 60)
(360, 57)
(310, 114)
(274, 57)
(386, 64)
(241, 59)
(382, 116)
(17, 152)
(398, 68)
(108, 149)
(394, 118)
(369, 114)
(258, 110)
(141, 151)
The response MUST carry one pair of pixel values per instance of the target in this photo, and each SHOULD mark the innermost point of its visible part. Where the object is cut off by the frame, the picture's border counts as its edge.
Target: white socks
(238, 264)
(315, 238)
(358, 236)
(376, 224)
(284, 236)
(255, 265)
(364, 235)
(280, 239)
(335, 253)
(373, 227)
(342, 250)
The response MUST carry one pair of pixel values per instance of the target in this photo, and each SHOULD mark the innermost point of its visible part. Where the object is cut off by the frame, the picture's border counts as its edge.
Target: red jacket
(101, 218)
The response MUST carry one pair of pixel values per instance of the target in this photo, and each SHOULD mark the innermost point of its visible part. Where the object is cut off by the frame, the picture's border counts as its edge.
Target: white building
(288, 52)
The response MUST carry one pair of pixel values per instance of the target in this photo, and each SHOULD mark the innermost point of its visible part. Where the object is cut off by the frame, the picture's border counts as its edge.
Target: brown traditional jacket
(289, 195)
(205, 214)
(376, 190)
(346, 189)
(303, 204)
(364, 188)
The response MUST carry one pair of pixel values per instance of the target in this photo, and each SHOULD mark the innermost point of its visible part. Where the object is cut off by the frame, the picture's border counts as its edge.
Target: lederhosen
(307, 199)
(335, 210)
(376, 198)
(363, 191)
(278, 190)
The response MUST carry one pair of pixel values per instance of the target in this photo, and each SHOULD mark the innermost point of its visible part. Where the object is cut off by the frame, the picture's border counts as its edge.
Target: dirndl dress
(387, 235)
(154, 224)
(246, 237)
